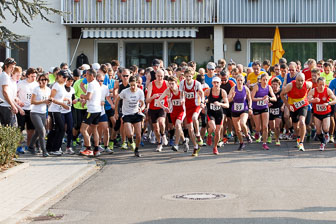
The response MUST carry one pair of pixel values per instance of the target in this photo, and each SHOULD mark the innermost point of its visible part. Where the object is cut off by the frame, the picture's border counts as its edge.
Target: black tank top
(121, 88)
(212, 108)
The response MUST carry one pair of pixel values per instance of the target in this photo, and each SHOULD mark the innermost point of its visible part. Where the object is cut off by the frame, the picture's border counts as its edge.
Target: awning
(139, 32)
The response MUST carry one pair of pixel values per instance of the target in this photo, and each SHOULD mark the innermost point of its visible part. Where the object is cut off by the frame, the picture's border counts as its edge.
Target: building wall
(86, 46)
(203, 50)
(237, 56)
(47, 41)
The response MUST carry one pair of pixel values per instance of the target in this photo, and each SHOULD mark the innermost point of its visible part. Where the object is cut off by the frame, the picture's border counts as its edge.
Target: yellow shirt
(253, 78)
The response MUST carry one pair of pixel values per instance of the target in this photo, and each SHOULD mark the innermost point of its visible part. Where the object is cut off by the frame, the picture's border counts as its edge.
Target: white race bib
(176, 102)
(299, 104)
(214, 107)
(261, 103)
(275, 111)
(238, 106)
(190, 95)
(321, 108)
(156, 102)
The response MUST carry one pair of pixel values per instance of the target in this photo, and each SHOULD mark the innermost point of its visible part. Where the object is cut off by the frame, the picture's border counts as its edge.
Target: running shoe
(297, 142)
(269, 139)
(56, 153)
(301, 148)
(257, 137)
(45, 154)
(124, 146)
(174, 148)
(171, 142)
(277, 143)
(96, 153)
(225, 140)
(331, 140)
(220, 144)
(136, 153)
(281, 136)
(265, 146)
(200, 142)
(322, 147)
(69, 151)
(215, 151)
(241, 146)
(152, 137)
(74, 143)
(142, 143)
(326, 136)
(209, 140)
(101, 148)
(164, 140)
(159, 148)
(111, 144)
(87, 152)
(60, 151)
(195, 153)
(31, 150)
(249, 139)
(132, 146)
(108, 150)
(186, 145)
(19, 150)
(229, 136)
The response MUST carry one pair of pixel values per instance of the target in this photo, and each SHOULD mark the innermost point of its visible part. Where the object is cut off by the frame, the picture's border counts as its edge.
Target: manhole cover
(198, 196)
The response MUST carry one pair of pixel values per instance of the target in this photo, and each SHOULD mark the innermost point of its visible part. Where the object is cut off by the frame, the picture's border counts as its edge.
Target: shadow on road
(308, 209)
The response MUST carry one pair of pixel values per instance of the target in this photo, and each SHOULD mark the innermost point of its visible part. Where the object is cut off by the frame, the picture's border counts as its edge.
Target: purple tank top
(259, 105)
(239, 103)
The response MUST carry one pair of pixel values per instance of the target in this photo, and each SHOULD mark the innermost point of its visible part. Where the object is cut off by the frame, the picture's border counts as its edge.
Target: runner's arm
(284, 91)
(273, 98)
(225, 99)
(249, 99)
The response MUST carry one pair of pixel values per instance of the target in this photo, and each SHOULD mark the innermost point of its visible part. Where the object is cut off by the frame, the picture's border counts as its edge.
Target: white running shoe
(152, 137)
(322, 147)
(186, 145)
(164, 140)
(159, 148)
(69, 151)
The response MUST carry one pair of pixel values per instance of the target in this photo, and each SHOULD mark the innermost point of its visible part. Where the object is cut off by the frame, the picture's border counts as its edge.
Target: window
(299, 51)
(179, 52)
(260, 51)
(142, 54)
(329, 50)
(19, 51)
(2, 53)
(107, 52)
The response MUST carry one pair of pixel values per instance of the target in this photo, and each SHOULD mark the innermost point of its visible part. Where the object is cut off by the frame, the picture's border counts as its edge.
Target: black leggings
(56, 133)
(67, 118)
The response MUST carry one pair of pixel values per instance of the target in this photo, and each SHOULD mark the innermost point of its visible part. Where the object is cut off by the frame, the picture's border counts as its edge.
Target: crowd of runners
(100, 107)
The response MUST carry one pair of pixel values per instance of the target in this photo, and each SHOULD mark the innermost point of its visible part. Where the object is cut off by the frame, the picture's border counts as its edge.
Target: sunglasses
(44, 80)
(125, 76)
(100, 80)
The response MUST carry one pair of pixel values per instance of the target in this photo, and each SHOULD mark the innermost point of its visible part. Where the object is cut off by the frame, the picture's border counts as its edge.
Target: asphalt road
(281, 185)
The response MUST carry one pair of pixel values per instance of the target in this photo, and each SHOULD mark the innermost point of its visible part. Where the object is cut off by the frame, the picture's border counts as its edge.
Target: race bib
(29, 95)
(261, 103)
(321, 108)
(214, 107)
(299, 104)
(275, 111)
(238, 106)
(156, 102)
(176, 102)
(190, 95)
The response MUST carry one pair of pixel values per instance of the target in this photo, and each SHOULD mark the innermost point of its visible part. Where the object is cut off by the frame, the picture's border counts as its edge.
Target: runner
(240, 97)
(156, 113)
(260, 99)
(275, 111)
(217, 100)
(320, 98)
(91, 119)
(176, 110)
(297, 103)
(191, 91)
(132, 107)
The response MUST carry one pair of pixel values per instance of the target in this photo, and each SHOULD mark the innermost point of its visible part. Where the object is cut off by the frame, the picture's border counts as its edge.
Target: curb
(54, 195)
(14, 169)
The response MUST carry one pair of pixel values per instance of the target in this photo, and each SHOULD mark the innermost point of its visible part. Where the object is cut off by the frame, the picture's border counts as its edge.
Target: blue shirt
(110, 84)
(332, 85)
(208, 80)
(282, 79)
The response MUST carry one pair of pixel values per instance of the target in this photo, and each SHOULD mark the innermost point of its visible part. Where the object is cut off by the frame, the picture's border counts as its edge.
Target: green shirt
(328, 77)
(52, 78)
(78, 93)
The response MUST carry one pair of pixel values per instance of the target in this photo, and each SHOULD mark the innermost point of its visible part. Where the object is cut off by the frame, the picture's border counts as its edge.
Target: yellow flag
(277, 49)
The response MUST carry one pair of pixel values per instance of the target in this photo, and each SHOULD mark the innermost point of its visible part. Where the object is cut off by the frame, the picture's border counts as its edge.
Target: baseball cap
(156, 62)
(211, 66)
(51, 69)
(216, 79)
(96, 66)
(86, 67)
(64, 73)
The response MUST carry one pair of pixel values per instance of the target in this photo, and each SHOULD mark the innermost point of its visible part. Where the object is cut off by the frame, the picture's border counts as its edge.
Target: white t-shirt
(25, 91)
(105, 93)
(131, 101)
(68, 95)
(94, 104)
(58, 97)
(39, 96)
(5, 80)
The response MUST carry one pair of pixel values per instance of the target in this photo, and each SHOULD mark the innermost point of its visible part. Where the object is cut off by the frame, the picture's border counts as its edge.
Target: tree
(24, 11)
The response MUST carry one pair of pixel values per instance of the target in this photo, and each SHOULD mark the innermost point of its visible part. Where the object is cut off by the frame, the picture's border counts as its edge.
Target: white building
(136, 31)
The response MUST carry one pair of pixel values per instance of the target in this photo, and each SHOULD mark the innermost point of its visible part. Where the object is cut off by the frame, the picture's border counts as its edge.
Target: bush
(10, 138)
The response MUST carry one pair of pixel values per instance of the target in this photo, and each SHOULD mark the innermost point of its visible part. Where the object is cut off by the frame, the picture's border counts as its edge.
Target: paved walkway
(43, 181)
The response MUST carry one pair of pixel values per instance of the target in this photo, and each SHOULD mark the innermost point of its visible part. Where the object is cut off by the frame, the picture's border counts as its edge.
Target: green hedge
(10, 138)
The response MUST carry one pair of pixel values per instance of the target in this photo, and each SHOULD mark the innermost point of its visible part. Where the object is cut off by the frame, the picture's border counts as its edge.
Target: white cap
(216, 79)
(96, 66)
(51, 69)
(86, 67)
(1, 64)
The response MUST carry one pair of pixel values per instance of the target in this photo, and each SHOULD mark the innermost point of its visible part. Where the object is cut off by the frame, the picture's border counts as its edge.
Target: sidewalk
(43, 181)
